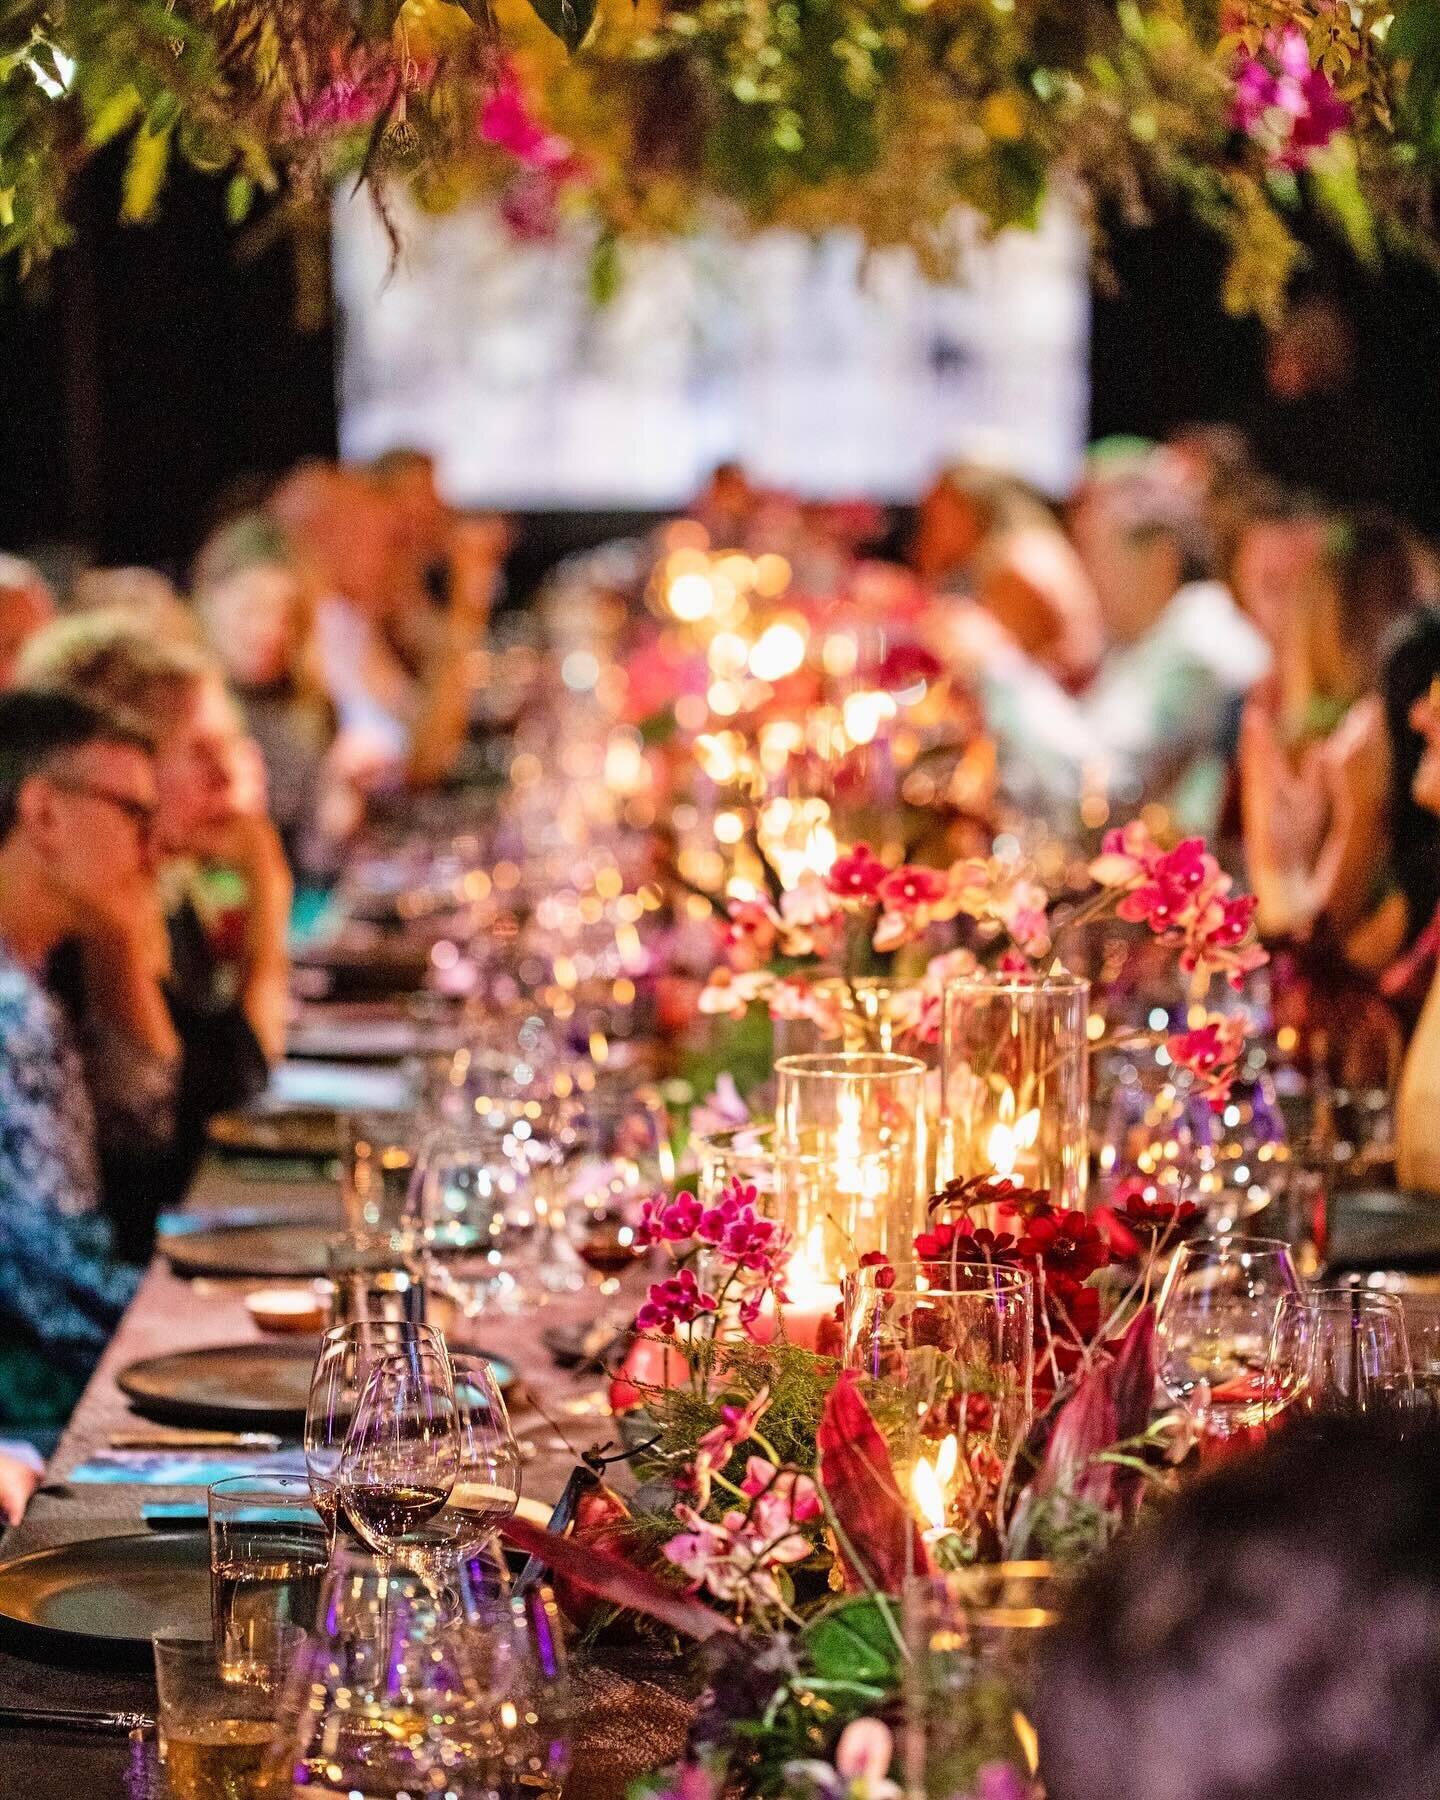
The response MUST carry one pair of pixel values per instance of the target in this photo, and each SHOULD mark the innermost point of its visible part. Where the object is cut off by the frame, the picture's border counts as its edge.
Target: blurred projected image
(825, 373)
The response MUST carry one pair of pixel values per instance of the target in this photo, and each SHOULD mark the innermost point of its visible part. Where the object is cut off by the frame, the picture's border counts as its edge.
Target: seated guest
(1273, 1635)
(1417, 1140)
(444, 559)
(26, 606)
(1315, 749)
(258, 615)
(351, 536)
(223, 974)
(77, 813)
(986, 535)
(144, 594)
(1155, 723)
(20, 1472)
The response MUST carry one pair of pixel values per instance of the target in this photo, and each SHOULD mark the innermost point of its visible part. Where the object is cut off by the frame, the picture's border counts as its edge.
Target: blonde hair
(258, 541)
(112, 660)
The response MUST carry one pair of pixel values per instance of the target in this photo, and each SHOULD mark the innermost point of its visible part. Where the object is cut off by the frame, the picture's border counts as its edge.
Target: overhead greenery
(656, 116)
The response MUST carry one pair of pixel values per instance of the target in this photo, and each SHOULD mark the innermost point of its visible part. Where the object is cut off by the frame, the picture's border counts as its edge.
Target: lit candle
(930, 1486)
(813, 1296)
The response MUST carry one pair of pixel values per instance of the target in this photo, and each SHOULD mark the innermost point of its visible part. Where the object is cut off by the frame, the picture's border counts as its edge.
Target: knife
(194, 1440)
(58, 1719)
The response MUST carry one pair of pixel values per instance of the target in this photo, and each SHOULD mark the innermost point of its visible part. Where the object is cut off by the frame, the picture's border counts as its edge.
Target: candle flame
(1009, 1135)
(929, 1481)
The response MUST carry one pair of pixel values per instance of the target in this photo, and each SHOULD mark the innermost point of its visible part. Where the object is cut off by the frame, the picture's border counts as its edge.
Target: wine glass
(1339, 1350)
(385, 1700)
(487, 1473)
(402, 1452)
(614, 1150)
(518, 1647)
(479, 1211)
(347, 1354)
(1213, 1326)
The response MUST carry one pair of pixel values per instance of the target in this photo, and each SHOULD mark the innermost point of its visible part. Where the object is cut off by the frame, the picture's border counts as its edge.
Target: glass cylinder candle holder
(953, 1369)
(847, 1143)
(1015, 1082)
(971, 1638)
(745, 1153)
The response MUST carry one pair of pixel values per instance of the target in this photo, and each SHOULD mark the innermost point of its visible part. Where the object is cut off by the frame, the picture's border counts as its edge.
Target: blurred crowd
(1183, 638)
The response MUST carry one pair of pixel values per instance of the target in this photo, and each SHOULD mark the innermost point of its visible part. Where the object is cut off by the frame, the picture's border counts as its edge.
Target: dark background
(150, 368)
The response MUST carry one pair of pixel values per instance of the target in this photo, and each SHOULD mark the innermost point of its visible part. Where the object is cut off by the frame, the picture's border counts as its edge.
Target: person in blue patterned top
(77, 803)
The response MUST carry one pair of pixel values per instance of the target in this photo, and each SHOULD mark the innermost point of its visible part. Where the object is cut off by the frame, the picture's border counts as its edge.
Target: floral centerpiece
(804, 951)
(781, 1500)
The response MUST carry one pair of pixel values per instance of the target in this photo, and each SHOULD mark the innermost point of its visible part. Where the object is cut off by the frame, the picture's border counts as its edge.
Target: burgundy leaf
(604, 1573)
(1132, 1377)
(875, 1525)
(1084, 1426)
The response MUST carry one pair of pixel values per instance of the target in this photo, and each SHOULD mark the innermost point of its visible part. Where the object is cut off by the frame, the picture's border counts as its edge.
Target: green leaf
(7, 206)
(239, 198)
(145, 173)
(604, 285)
(113, 116)
(1335, 181)
(853, 1642)
(570, 20)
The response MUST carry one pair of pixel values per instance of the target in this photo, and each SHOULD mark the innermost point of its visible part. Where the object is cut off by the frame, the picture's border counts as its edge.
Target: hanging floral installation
(893, 117)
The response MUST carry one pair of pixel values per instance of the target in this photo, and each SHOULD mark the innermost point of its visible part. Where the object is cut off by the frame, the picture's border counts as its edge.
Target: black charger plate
(98, 1602)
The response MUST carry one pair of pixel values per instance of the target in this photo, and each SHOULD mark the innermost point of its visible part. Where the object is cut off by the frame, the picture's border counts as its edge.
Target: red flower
(857, 875)
(1067, 1244)
(908, 888)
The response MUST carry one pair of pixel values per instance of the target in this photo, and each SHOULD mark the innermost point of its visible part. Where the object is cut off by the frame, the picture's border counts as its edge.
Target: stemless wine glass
(379, 1163)
(1337, 1350)
(402, 1452)
(347, 1354)
(1213, 1325)
(615, 1154)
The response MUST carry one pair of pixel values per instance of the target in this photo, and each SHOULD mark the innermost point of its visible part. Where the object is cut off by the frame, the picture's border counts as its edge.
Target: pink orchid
(667, 1221)
(732, 992)
(698, 1551)
(788, 1497)
(808, 904)
(751, 934)
(1127, 855)
(737, 1426)
(680, 1300)
(864, 1754)
(507, 122)
(722, 1110)
(1212, 1050)
(912, 889)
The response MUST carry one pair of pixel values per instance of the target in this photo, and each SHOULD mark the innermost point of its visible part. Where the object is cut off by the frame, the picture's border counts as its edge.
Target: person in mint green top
(1155, 722)
(77, 805)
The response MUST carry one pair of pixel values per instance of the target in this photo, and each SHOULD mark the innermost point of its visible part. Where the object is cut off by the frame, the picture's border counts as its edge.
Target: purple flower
(668, 1221)
(678, 1301)
(1283, 104)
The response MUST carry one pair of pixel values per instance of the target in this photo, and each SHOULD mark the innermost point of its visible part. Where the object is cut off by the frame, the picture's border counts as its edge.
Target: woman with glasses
(208, 978)
(76, 791)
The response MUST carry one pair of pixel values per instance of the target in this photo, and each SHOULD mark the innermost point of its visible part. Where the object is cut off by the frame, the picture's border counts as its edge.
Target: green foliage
(570, 20)
(855, 1642)
(732, 1374)
(884, 116)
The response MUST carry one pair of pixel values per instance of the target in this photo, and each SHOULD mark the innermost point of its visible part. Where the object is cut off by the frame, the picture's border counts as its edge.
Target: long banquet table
(172, 1314)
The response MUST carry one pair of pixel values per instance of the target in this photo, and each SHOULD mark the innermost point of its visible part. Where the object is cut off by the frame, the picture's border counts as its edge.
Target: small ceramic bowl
(299, 1311)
